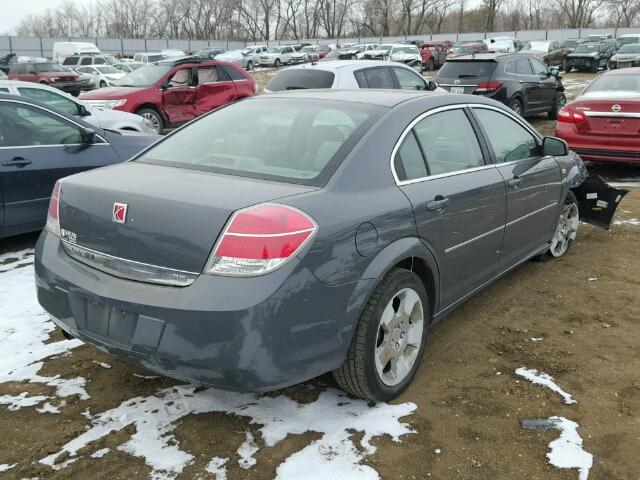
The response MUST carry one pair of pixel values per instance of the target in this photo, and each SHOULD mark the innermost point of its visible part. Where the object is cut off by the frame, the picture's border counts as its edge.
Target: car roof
(487, 56)
(623, 71)
(350, 65)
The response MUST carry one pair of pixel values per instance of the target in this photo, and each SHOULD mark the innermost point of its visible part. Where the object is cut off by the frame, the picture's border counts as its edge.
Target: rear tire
(559, 101)
(387, 345)
(154, 117)
(103, 84)
(430, 65)
(566, 230)
(566, 66)
(516, 105)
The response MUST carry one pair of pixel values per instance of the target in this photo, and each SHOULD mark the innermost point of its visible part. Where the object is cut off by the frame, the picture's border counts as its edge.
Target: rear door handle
(17, 162)
(438, 203)
(513, 182)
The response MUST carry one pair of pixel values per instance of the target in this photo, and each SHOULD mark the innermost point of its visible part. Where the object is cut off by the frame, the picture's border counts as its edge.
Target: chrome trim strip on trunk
(129, 269)
(610, 114)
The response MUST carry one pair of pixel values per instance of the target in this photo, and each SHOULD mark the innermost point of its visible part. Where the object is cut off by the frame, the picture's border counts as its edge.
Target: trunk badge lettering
(616, 108)
(119, 212)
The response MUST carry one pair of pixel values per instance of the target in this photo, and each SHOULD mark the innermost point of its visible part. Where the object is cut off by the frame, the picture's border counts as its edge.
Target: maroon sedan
(603, 123)
(170, 93)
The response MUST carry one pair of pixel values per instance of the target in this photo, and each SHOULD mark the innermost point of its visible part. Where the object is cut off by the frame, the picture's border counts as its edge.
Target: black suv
(588, 56)
(518, 80)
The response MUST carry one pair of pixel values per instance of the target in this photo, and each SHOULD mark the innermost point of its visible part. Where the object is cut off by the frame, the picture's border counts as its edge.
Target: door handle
(438, 203)
(514, 182)
(17, 162)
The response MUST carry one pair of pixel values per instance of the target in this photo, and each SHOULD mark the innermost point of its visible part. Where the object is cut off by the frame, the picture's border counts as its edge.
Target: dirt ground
(469, 401)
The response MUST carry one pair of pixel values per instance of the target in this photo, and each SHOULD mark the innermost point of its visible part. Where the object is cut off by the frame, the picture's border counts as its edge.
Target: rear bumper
(599, 148)
(609, 156)
(251, 334)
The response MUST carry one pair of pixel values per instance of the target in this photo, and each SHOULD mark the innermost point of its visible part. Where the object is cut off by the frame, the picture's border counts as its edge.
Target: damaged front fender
(597, 200)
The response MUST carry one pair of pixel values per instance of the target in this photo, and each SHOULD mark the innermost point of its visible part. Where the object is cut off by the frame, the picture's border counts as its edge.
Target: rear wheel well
(420, 268)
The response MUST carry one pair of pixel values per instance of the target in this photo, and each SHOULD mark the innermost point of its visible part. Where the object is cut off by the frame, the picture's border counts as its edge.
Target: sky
(15, 10)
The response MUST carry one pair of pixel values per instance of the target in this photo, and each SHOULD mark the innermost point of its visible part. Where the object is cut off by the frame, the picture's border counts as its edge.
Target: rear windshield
(300, 79)
(471, 69)
(615, 83)
(278, 139)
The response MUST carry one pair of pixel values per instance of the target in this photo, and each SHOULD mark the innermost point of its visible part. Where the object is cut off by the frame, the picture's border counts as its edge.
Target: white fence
(42, 46)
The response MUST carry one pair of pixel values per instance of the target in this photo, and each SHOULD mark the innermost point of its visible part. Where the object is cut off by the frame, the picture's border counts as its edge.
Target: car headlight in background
(107, 104)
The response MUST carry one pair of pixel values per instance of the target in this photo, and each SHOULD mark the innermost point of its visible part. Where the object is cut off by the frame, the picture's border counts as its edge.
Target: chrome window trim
(99, 261)
(414, 122)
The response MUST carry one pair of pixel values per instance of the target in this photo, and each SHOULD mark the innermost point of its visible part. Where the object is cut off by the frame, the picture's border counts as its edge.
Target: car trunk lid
(613, 117)
(172, 216)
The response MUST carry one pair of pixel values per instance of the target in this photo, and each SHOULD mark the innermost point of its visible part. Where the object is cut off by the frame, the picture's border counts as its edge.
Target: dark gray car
(294, 234)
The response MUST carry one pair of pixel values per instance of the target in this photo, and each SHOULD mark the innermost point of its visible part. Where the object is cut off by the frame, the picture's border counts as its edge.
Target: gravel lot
(69, 411)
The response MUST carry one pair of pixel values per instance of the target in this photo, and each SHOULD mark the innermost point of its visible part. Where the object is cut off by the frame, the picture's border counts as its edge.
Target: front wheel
(103, 84)
(566, 229)
(153, 117)
(595, 67)
(277, 63)
(430, 65)
(249, 65)
(389, 339)
(566, 66)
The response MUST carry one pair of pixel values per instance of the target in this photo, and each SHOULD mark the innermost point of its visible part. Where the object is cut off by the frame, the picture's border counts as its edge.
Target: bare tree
(578, 13)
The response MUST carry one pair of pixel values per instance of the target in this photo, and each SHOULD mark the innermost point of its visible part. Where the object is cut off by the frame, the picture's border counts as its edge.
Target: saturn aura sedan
(299, 233)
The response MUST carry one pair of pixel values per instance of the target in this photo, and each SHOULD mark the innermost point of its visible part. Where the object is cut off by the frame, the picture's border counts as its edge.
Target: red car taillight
(53, 216)
(260, 239)
(566, 115)
(484, 87)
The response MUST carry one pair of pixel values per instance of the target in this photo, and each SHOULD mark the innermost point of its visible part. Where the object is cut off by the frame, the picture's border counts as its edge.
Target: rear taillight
(484, 87)
(260, 239)
(53, 216)
(566, 115)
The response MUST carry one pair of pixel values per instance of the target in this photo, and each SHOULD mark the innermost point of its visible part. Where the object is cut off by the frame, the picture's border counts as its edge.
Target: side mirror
(431, 85)
(554, 147)
(88, 136)
(164, 85)
(82, 110)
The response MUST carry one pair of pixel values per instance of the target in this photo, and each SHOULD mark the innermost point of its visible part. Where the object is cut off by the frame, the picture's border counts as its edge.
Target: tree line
(257, 20)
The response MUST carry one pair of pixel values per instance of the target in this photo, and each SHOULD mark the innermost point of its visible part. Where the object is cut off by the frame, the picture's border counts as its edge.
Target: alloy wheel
(153, 120)
(565, 231)
(399, 336)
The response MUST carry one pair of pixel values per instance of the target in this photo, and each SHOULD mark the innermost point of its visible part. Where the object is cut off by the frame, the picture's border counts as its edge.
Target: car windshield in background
(48, 67)
(629, 40)
(616, 83)
(464, 69)
(384, 47)
(569, 44)
(405, 50)
(274, 139)
(275, 49)
(106, 70)
(538, 46)
(630, 48)
(143, 77)
(308, 49)
(586, 49)
(298, 79)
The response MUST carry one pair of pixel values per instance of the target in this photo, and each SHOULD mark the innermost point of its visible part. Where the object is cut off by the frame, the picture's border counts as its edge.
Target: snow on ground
(631, 221)
(566, 451)
(24, 329)
(333, 414)
(4, 467)
(539, 378)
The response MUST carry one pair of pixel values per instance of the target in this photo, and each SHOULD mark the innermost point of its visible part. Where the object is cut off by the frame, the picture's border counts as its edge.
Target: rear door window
(298, 79)
(449, 142)
(509, 140)
(86, 61)
(99, 61)
(524, 67)
(378, 77)
(409, 160)
(409, 80)
(230, 73)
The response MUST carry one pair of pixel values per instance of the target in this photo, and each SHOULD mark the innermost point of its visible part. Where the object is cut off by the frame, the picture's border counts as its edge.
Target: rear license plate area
(457, 89)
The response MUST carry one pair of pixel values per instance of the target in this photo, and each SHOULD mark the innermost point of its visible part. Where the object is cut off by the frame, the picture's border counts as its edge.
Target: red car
(603, 123)
(170, 93)
(47, 73)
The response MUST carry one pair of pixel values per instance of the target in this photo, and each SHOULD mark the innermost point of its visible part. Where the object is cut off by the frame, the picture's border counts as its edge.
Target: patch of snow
(217, 467)
(146, 377)
(100, 453)
(102, 364)
(48, 408)
(333, 414)
(567, 451)
(437, 451)
(246, 451)
(624, 184)
(16, 402)
(537, 339)
(24, 329)
(540, 378)
(5, 466)
(631, 221)
(592, 279)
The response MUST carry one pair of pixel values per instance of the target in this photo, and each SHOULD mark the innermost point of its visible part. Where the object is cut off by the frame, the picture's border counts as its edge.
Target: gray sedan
(306, 232)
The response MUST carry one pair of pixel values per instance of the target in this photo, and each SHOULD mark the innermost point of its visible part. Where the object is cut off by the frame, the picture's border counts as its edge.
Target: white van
(62, 50)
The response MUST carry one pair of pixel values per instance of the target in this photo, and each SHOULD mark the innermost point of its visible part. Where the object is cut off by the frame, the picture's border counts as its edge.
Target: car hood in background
(121, 121)
(110, 93)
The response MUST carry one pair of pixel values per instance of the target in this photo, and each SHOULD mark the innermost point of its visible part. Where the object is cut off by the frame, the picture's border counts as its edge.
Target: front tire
(566, 229)
(154, 117)
(277, 63)
(249, 65)
(594, 67)
(430, 65)
(103, 84)
(388, 342)
(566, 66)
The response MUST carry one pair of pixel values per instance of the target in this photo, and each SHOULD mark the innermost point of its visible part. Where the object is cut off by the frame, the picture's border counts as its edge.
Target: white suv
(277, 56)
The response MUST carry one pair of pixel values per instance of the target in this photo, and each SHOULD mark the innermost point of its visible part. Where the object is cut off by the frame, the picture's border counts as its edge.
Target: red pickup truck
(434, 54)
